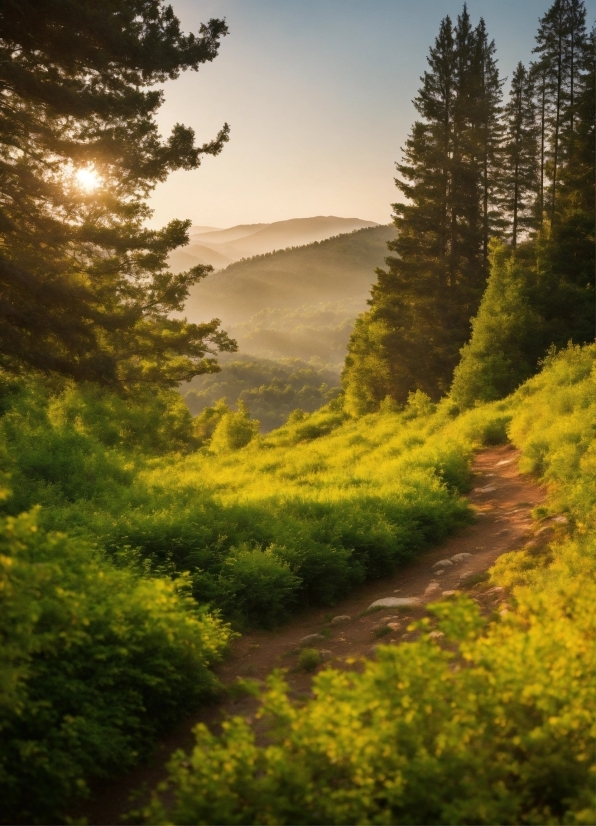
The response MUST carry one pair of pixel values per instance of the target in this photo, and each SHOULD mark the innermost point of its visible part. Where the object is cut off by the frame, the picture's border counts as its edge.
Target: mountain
(296, 303)
(221, 247)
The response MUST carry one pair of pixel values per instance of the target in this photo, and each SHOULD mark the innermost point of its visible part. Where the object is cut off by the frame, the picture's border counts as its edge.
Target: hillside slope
(295, 303)
(220, 247)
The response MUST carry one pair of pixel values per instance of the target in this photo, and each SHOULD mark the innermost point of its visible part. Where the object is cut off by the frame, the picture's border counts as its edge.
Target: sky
(318, 95)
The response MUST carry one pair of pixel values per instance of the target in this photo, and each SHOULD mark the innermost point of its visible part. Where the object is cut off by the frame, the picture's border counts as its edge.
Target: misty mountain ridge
(299, 302)
(222, 247)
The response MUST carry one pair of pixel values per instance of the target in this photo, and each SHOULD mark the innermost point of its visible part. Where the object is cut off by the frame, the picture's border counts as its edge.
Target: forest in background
(136, 540)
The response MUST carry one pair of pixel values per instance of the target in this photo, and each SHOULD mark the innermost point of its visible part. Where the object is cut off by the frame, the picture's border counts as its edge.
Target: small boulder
(561, 520)
(464, 576)
(485, 489)
(310, 638)
(448, 593)
(395, 626)
(436, 635)
(338, 620)
(460, 557)
(443, 563)
(432, 588)
(325, 654)
(395, 602)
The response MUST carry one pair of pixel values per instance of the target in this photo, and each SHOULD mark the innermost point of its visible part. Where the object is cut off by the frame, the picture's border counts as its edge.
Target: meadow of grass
(300, 516)
(145, 531)
(123, 537)
(497, 726)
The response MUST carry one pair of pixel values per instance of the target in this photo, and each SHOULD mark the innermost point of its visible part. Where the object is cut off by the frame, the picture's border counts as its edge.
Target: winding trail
(503, 500)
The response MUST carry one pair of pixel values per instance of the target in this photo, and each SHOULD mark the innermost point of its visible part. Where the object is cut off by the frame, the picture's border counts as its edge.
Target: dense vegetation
(497, 726)
(474, 170)
(134, 537)
(270, 389)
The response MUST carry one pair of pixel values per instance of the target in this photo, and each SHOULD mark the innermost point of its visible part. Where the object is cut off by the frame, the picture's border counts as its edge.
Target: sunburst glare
(88, 179)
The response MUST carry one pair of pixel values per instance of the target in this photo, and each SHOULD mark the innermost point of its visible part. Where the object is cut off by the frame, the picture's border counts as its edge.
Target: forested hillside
(137, 541)
(220, 247)
(270, 389)
(295, 303)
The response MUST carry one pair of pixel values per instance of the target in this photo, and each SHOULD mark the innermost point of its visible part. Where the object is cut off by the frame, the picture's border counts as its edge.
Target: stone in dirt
(311, 638)
(395, 602)
(460, 557)
(485, 489)
(448, 593)
(443, 563)
(561, 520)
(432, 588)
(325, 654)
(436, 635)
(504, 462)
(340, 619)
(465, 575)
(395, 626)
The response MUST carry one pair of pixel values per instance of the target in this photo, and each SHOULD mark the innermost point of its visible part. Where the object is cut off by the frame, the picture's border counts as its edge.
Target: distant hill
(220, 247)
(297, 303)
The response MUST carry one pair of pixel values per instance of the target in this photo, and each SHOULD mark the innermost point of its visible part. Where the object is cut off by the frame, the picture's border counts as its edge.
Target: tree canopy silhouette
(84, 287)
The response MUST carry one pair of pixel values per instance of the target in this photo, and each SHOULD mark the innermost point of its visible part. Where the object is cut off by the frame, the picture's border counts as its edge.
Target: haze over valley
(299, 302)
(220, 247)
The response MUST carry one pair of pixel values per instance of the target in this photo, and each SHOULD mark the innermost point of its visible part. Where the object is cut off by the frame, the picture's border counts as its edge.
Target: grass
(416, 737)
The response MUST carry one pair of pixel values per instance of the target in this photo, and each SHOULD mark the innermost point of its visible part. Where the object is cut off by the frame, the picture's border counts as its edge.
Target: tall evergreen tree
(490, 139)
(422, 303)
(521, 155)
(560, 43)
(84, 288)
(568, 294)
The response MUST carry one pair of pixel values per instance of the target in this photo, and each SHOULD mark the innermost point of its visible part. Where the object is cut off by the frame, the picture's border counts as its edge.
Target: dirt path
(503, 500)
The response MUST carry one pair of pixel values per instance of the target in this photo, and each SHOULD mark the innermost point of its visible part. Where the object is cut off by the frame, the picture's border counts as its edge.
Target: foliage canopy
(85, 288)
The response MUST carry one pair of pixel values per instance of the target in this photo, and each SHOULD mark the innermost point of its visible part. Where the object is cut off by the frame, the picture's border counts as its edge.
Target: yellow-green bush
(501, 730)
(497, 727)
(95, 662)
(322, 504)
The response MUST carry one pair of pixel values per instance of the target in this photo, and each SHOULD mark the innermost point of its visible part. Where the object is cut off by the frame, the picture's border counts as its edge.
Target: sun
(87, 178)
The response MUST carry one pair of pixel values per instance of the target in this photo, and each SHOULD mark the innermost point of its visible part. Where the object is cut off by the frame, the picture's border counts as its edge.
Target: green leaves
(94, 663)
(85, 287)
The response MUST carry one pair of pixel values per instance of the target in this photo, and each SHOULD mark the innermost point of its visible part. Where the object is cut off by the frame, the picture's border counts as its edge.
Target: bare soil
(503, 501)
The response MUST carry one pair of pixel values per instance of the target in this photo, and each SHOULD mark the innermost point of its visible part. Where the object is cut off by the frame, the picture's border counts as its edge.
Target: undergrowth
(496, 727)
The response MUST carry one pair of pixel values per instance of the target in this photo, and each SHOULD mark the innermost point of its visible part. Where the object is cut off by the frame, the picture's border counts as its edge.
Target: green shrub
(234, 430)
(256, 587)
(95, 663)
(309, 659)
(415, 738)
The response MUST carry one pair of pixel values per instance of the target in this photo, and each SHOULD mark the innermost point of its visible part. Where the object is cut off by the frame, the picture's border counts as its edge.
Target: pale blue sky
(318, 96)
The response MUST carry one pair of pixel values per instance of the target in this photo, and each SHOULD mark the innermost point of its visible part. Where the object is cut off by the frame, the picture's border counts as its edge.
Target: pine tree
(521, 155)
(560, 42)
(490, 138)
(422, 303)
(84, 287)
(507, 333)
(567, 297)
